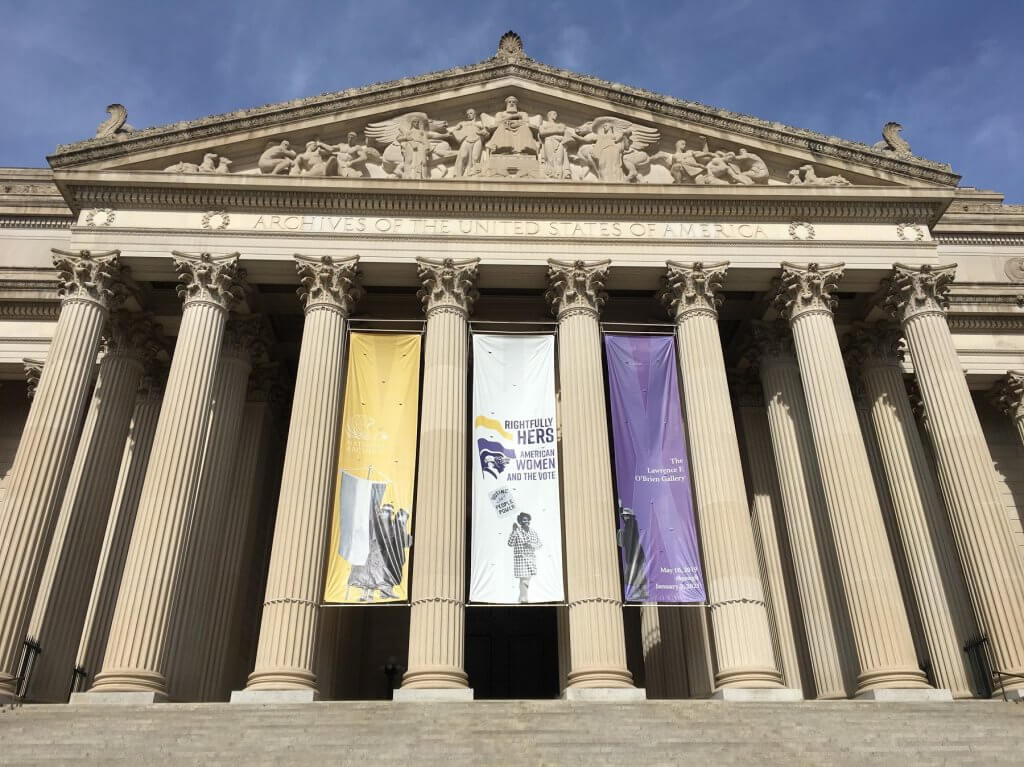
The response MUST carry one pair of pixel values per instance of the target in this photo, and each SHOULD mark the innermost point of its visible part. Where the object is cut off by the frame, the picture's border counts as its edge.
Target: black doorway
(512, 652)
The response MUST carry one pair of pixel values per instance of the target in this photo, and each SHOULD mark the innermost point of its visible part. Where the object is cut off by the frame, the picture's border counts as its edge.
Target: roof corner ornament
(892, 143)
(510, 47)
(115, 124)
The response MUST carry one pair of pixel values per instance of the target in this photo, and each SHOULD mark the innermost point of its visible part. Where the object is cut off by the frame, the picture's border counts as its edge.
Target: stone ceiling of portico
(418, 129)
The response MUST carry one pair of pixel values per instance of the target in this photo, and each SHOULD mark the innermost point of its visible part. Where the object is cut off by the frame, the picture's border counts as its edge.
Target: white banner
(516, 552)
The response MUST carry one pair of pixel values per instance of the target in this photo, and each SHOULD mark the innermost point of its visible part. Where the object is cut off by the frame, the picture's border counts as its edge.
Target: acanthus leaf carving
(448, 284)
(912, 291)
(802, 290)
(576, 287)
(33, 372)
(203, 277)
(135, 334)
(327, 282)
(246, 337)
(87, 276)
(878, 343)
(1008, 394)
(693, 288)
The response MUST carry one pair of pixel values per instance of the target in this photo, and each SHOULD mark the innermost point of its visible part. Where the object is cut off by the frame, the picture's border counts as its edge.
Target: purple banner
(657, 534)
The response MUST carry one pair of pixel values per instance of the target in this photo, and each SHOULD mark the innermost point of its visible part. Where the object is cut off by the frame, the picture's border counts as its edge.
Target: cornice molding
(36, 222)
(975, 324)
(495, 68)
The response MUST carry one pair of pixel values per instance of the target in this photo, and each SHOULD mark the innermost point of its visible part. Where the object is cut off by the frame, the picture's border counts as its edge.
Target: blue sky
(950, 72)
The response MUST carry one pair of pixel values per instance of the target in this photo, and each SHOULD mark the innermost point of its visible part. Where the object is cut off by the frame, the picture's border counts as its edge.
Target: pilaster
(437, 617)
(917, 298)
(90, 285)
(739, 616)
(881, 632)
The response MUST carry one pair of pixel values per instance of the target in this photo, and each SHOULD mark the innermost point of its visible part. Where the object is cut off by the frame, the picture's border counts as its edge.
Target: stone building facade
(850, 334)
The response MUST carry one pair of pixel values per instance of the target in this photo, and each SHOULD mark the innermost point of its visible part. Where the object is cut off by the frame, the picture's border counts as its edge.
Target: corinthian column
(90, 285)
(994, 570)
(881, 632)
(597, 646)
(437, 618)
(819, 583)
(770, 537)
(739, 616)
(1009, 397)
(121, 520)
(291, 606)
(137, 647)
(935, 573)
(190, 644)
(130, 341)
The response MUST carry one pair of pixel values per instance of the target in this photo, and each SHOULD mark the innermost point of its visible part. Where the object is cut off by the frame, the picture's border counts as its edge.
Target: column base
(437, 695)
(1017, 695)
(758, 694)
(117, 698)
(604, 694)
(907, 695)
(275, 696)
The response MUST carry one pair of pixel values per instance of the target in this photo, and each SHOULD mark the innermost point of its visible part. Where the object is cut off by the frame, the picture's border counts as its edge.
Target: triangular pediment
(418, 128)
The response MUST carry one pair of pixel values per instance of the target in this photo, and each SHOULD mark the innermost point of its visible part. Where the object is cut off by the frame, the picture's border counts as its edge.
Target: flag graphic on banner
(657, 531)
(516, 550)
(372, 516)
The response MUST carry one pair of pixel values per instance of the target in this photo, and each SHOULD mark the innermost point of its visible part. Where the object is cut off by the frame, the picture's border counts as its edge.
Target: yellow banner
(371, 524)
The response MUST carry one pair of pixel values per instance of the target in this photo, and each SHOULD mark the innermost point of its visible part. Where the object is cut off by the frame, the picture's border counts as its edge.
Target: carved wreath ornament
(100, 217)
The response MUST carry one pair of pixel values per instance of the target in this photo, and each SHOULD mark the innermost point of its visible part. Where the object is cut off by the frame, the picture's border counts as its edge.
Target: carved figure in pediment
(414, 144)
(750, 166)
(212, 163)
(514, 131)
(350, 156)
(686, 165)
(614, 148)
(805, 175)
(470, 133)
(554, 156)
(721, 171)
(277, 159)
(317, 160)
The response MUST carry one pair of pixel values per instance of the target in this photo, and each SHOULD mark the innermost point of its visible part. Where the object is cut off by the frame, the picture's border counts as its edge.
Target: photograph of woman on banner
(524, 543)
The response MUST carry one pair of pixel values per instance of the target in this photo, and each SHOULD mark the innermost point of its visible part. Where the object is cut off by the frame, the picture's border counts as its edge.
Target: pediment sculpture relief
(515, 144)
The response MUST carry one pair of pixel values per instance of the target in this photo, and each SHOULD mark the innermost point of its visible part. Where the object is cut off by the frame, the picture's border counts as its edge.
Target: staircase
(516, 732)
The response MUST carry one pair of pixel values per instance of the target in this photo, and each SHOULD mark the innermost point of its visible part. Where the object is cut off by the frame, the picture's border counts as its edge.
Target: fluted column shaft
(61, 603)
(286, 652)
(90, 285)
(810, 533)
(190, 644)
(993, 568)
(739, 616)
(437, 617)
(137, 647)
(881, 632)
(120, 523)
(935, 573)
(661, 635)
(771, 539)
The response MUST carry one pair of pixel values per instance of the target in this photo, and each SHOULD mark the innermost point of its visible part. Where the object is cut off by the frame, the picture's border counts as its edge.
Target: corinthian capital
(693, 288)
(327, 282)
(1008, 394)
(880, 343)
(448, 284)
(912, 291)
(246, 338)
(94, 277)
(33, 372)
(806, 289)
(205, 278)
(133, 334)
(576, 287)
(772, 342)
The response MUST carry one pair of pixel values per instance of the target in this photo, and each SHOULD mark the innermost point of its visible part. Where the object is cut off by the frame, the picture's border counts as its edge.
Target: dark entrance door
(512, 652)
